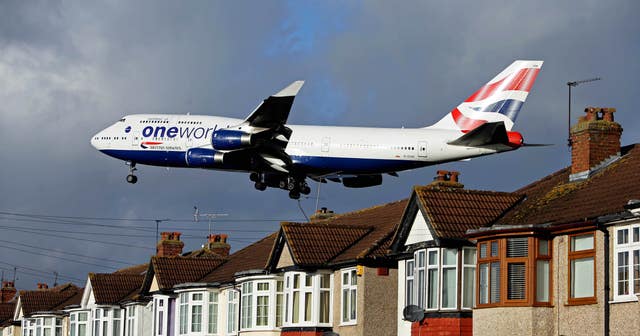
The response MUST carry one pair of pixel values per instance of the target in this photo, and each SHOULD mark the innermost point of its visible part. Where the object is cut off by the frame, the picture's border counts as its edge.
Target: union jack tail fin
(498, 100)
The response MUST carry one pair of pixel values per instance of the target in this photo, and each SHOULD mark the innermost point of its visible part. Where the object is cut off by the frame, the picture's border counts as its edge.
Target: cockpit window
(122, 120)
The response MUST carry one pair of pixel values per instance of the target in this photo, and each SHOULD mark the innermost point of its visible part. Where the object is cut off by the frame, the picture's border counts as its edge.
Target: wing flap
(491, 133)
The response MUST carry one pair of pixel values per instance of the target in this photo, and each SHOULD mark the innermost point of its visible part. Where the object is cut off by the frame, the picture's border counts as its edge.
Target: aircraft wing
(490, 133)
(274, 111)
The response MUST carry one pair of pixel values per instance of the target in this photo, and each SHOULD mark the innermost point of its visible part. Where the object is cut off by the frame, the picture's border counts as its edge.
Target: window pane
(483, 284)
(296, 307)
(449, 288)
(542, 281)
(469, 279)
(420, 291)
(433, 257)
(623, 236)
(325, 281)
(409, 290)
(494, 249)
(517, 247)
(581, 243)
(307, 307)
(262, 318)
(543, 247)
(623, 272)
(483, 250)
(516, 277)
(263, 286)
(353, 303)
(495, 282)
(409, 270)
(582, 277)
(324, 306)
(449, 257)
(345, 305)
(432, 300)
(636, 234)
(469, 256)
(196, 318)
(279, 305)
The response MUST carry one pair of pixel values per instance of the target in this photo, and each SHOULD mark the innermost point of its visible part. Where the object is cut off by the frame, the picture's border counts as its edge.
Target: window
(543, 271)
(232, 311)
(626, 261)
(468, 277)
(308, 299)
(432, 280)
(349, 296)
(449, 278)
(262, 304)
(279, 302)
(117, 322)
(517, 262)
(259, 296)
(184, 308)
(131, 321)
(581, 269)
(196, 312)
(489, 273)
(160, 326)
(77, 323)
(409, 284)
(212, 327)
(247, 300)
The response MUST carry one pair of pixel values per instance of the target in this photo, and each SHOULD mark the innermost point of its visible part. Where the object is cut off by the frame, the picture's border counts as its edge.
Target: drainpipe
(607, 288)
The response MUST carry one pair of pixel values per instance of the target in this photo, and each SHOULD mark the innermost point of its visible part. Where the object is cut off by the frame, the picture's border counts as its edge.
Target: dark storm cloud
(69, 69)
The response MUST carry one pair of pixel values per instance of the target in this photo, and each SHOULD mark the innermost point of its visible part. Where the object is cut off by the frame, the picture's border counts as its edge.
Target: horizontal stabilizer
(490, 133)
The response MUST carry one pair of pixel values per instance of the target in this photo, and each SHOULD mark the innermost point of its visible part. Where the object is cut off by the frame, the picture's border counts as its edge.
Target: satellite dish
(413, 313)
(330, 333)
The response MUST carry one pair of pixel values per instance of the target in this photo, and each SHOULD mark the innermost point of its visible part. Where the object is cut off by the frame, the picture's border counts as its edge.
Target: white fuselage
(164, 140)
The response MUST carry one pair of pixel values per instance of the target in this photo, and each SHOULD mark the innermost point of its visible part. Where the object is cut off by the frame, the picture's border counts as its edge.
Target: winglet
(290, 90)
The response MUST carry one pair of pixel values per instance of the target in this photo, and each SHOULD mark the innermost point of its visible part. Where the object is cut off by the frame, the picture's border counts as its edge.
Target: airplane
(279, 155)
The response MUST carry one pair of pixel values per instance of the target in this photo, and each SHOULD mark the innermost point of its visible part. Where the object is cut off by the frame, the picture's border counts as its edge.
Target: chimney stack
(447, 179)
(218, 244)
(170, 244)
(595, 142)
(321, 214)
(42, 286)
(7, 292)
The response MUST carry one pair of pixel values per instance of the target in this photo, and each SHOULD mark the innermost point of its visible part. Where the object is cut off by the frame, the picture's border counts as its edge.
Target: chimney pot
(7, 292)
(454, 176)
(42, 285)
(170, 244)
(217, 243)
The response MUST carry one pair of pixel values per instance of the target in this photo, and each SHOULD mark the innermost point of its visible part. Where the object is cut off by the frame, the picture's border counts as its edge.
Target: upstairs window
(349, 296)
(626, 262)
(582, 276)
(308, 299)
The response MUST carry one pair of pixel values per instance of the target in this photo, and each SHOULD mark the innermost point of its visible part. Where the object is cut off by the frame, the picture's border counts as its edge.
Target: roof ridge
(468, 191)
(351, 213)
(330, 225)
(544, 178)
(376, 244)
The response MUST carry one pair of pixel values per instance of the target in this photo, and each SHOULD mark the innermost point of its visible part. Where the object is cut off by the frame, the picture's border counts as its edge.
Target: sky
(71, 68)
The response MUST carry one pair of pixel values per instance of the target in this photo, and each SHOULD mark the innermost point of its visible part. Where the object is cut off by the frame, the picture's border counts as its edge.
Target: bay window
(581, 269)
(198, 312)
(468, 277)
(262, 303)
(42, 326)
(513, 272)
(232, 311)
(432, 279)
(117, 322)
(626, 260)
(160, 304)
(449, 287)
(409, 282)
(131, 321)
(308, 299)
(349, 296)
(78, 323)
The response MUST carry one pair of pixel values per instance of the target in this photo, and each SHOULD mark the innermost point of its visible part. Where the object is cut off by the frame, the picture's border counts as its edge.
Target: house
(41, 311)
(566, 259)
(334, 275)
(436, 263)
(7, 307)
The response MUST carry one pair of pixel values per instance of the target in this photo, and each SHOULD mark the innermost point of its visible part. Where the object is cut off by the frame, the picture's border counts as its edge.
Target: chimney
(321, 214)
(42, 286)
(446, 179)
(595, 141)
(169, 244)
(7, 292)
(218, 244)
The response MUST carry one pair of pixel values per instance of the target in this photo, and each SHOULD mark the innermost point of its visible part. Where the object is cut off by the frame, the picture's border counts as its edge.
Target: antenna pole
(158, 221)
(210, 217)
(55, 281)
(570, 85)
(15, 270)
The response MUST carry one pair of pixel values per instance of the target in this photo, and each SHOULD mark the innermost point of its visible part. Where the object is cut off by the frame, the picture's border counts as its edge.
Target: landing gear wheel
(305, 190)
(260, 186)
(132, 178)
(294, 194)
(254, 177)
(291, 186)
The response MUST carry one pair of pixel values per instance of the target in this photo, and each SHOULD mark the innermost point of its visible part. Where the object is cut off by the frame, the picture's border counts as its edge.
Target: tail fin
(498, 100)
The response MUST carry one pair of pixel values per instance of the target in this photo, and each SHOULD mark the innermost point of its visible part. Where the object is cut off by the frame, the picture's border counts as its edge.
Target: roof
(554, 199)
(6, 312)
(451, 212)
(170, 271)
(111, 288)
(52, 299)
(358, 235)
(136, 269)
(308, 242)
(254, 256)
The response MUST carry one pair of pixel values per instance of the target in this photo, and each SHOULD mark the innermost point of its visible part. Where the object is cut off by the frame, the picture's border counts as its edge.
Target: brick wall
(443, 326)
(595, 138)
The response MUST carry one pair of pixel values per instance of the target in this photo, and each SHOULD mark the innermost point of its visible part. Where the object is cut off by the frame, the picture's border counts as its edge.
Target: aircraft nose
(94, 141)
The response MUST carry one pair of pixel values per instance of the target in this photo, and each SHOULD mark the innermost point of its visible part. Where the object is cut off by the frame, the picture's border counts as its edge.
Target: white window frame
(232, 312)
(206, 299)
(160, 315)
(314, 293)
(430, 267)
(119, 319)
(213, 313)
(349, 284)
(627, 247)
(131, 320)
(249, 301)
(455, 268)
(409, 282)
(471, 268)
(421, 289)
(75, 323)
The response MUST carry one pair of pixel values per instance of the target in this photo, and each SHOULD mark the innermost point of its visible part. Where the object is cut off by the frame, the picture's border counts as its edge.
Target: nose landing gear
(131, 178)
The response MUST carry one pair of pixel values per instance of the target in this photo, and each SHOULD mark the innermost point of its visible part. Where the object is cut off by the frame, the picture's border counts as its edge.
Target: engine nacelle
(226, 139)
(204, 158)
(362, 181)
(515, 139)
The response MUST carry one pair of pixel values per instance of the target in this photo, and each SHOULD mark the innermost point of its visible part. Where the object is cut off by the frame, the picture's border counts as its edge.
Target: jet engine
(362, 181)
(204, 158)
(226, 139)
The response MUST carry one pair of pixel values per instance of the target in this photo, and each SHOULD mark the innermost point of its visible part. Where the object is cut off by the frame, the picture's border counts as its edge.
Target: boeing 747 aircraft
(279, 155)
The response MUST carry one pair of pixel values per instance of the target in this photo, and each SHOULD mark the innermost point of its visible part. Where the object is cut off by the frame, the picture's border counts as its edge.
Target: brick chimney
(169, 244)
(42, 286)
(218, 244)
(446, 179)
(7, 292)
(321, 214)
(595, 142)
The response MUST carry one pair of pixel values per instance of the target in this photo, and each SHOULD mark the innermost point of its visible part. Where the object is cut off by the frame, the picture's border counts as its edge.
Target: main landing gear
(295, 186)
(131, 178)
